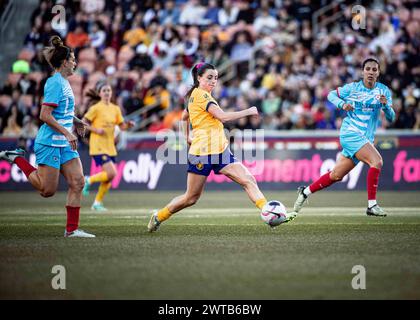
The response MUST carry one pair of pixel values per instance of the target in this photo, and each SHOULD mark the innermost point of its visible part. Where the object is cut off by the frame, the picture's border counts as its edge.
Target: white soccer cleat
(376, 211)
(301, 199)
(78, 233)
(11, 155)
(153, 222)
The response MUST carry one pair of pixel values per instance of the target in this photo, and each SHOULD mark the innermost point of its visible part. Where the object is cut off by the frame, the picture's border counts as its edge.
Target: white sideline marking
(322, 211)
(225, 212)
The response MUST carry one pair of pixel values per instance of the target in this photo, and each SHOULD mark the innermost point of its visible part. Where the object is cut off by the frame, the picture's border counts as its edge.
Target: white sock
(371, 203)
(95, 203)
(307, 191)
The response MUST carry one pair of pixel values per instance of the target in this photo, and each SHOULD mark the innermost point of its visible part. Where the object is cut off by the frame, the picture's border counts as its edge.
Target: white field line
(233, 225)
(225, 212)
(322, 211)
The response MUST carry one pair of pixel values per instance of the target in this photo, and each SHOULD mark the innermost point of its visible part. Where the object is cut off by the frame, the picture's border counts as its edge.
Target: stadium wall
(275, 170)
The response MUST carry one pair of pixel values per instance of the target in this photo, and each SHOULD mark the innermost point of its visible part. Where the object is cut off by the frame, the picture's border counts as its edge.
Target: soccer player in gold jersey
(103, 116)
(209, 148)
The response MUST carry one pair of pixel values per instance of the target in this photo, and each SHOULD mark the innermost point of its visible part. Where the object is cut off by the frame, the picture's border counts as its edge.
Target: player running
(103, 116)
(56, 145)
(209, 148)
(363, 102)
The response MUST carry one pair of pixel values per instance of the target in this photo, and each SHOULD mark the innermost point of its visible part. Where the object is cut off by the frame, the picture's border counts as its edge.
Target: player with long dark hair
(209, 148)
(363, 101)
(56, 145)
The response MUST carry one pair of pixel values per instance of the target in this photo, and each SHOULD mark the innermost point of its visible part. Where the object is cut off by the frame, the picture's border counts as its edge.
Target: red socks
(372, 182)
(72, 212)
(72, 218)
(25, 166)
(323, 182)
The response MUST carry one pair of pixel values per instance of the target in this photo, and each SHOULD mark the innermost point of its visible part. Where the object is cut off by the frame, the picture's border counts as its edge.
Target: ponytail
(56, 53)
(195, 83)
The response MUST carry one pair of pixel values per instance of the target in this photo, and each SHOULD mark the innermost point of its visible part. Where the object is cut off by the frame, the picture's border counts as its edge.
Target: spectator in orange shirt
(78, 38)
(171, 119)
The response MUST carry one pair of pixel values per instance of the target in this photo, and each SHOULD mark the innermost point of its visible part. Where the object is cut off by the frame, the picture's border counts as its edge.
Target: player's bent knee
(191, 201)
(47, 193)
(111, 175)
(77, 183)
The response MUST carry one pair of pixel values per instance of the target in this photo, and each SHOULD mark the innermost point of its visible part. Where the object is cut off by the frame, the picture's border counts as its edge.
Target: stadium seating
(290, 61)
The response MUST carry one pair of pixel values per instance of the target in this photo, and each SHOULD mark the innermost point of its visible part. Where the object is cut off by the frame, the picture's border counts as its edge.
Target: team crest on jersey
(199, 166)
(207, 97)
(103, 157)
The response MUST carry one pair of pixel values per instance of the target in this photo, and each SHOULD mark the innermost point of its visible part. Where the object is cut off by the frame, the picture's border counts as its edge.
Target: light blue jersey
(364, 118)
(360, 125)
(59, 95)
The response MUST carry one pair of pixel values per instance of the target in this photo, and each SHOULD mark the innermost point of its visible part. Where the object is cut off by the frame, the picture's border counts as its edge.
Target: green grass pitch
(218, 249)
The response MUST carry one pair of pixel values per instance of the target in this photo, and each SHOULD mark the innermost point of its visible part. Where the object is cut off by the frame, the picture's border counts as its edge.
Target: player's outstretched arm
(219, 114)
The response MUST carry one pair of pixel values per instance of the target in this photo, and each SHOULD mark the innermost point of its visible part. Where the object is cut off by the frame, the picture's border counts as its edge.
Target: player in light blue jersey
(363, 102)
(55, 144)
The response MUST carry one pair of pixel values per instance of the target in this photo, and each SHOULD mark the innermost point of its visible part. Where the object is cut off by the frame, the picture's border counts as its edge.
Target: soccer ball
(273, 213)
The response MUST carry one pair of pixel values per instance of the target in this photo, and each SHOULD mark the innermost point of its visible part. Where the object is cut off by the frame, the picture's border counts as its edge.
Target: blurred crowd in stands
(276, 55)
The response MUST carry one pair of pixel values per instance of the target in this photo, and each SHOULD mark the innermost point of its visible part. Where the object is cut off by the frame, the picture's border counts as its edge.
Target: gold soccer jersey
(208, 134)
(105, 117)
